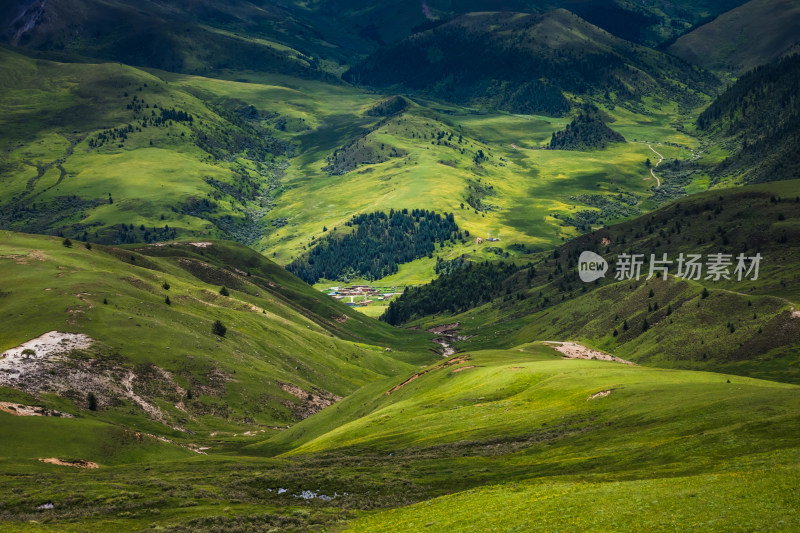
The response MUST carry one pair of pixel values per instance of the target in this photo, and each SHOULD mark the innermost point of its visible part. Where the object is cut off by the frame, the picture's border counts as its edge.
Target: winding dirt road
(660, 159)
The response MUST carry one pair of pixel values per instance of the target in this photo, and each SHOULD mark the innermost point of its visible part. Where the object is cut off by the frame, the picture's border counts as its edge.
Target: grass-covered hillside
(742, 326)
(154, 160)
(753, 34)
(464, 441)
(154, 359)
(272, 161)
(491, 431)
(758, 118)
(490, 169)
(531, 64)
(180, 36)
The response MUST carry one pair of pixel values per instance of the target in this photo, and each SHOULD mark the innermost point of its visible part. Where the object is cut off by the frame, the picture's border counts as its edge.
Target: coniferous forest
(588, 130)
(759, 117)
(457, 291)
(375, 245)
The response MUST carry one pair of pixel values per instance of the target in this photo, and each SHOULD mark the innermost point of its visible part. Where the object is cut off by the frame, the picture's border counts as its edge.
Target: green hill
(181, 36)
(158, 364)
(234, 160)
(157, 158)
(743, 38)
(738, 326)
(758, 117)
(528, 64)
(645, 23)
(488, 429)
(166, 168)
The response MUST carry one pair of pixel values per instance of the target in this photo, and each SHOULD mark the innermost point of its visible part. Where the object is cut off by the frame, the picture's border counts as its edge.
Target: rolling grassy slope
(514, 191)
(258, 161)
(766, 485)
(288, 351)
(103, 175)
(490, 430)
(743, 38)
(501, 426)
(744, 327)
(88, 174)
(181, 36)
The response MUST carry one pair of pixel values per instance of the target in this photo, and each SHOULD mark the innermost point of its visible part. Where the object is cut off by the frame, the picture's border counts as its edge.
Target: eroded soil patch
(573, 350)
(76, 463)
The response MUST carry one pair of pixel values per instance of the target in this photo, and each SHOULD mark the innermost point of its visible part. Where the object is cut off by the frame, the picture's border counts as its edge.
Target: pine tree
(92, 400)
(219, 329)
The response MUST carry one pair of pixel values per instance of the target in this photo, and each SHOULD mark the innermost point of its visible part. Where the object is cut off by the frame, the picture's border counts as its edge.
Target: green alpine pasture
(203, 179)
(279, 330)
(499, 438)
(149, 214)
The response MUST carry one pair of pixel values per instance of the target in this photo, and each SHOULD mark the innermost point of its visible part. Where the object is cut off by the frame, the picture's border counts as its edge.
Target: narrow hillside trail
(660, 159)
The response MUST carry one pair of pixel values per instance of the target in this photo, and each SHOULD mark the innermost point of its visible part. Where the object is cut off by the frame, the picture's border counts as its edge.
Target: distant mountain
(759, 118)
(299, 38)
(641, 22)
(197, 37)
(750, 35)
(526, 63)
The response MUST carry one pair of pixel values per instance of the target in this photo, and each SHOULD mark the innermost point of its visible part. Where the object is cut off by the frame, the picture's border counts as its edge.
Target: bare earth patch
(444, 328)
(18, 409)
(573, 350)
(601, 394)
(48, 344)
(449, 334)
(77, 463)
(43, 365)
(22, 259)
(463, 368)
(311, 403)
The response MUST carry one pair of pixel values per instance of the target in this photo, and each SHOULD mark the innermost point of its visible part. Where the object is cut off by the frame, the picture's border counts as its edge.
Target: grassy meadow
(203, 179)
(499, 438)
(221, 393)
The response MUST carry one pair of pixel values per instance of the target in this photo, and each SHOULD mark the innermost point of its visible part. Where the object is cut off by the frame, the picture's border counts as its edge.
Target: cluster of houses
(359, 294)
